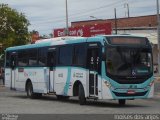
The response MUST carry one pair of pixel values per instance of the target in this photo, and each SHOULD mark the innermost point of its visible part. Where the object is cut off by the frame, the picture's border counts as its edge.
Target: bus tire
(29, 90)
(82, 99)
(122, 102)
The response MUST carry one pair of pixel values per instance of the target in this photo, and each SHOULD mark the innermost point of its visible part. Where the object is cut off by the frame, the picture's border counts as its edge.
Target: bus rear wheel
(122, 102)
(29, 90)
(82, 99)
(30, 93)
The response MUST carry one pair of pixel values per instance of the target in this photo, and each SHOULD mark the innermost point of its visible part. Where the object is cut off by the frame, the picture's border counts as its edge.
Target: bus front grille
(130, 95)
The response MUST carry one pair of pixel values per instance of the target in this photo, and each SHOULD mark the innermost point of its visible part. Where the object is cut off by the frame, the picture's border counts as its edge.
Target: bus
(115, 67)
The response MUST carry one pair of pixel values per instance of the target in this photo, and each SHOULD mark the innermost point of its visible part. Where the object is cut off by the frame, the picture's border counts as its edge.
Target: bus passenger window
(22, 58)
(32, 57)
(79, 55)
(65, 55)
(51, 58)
(42, 56)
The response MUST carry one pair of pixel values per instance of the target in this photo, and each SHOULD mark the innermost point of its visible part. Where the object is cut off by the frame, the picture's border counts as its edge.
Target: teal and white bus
(117, 67)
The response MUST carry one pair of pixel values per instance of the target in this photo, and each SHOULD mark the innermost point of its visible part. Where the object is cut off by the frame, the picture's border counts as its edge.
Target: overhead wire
(85, 12)
(80, 14)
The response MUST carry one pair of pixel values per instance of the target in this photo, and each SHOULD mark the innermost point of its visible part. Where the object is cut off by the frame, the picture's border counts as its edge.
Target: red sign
(85, 31)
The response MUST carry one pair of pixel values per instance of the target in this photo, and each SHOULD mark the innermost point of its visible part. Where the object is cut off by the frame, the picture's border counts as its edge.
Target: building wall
(140, 21)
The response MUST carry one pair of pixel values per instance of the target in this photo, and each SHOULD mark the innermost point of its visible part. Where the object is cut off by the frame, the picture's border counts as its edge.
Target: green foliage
(13, 27)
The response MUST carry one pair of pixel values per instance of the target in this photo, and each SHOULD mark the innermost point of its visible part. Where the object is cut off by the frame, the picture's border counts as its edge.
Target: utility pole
(115, 20)
(158, 35)
(67, 30)
(127, 5)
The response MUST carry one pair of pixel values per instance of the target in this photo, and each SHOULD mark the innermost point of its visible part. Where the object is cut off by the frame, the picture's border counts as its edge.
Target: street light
(67, 30)
(115, 20)
(126, 5)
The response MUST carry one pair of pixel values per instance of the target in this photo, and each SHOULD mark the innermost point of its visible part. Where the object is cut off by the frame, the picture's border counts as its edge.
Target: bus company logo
(29, 74)
(78, 75)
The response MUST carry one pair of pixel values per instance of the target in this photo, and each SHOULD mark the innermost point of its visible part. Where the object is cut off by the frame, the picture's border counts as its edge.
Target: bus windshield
(125, 61)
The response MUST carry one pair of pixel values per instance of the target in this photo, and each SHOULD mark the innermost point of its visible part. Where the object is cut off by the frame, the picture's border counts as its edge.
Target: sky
(46, 15)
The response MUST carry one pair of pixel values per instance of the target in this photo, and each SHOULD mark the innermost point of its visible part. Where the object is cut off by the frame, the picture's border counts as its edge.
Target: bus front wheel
(82, 99)
(122, 102)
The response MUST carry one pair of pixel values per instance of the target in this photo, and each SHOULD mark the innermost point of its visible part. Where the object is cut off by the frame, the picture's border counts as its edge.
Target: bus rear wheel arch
(81, 94)
(30, 92)
(78, 90)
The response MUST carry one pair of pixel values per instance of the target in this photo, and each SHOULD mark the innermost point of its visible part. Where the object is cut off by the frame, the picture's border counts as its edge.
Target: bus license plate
(130, 92)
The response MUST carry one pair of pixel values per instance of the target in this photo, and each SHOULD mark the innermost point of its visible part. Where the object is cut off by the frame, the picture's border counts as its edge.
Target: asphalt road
(17, 103)
(14, 102)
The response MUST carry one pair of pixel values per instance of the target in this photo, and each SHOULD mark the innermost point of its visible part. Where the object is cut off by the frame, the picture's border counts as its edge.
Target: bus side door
(51, 63)
(13, 69)
(93, 64)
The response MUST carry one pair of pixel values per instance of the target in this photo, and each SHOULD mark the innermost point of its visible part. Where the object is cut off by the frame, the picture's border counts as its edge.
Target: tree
(13, 27)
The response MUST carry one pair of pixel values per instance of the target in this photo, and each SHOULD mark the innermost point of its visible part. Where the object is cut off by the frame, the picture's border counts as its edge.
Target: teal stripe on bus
(66, 88)
(29, 46)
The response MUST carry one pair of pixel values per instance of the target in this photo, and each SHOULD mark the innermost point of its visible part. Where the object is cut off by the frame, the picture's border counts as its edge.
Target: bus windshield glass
(125, 61)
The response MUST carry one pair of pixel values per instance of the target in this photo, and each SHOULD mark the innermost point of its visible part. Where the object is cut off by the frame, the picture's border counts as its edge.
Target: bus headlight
(107, 84)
